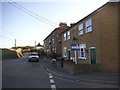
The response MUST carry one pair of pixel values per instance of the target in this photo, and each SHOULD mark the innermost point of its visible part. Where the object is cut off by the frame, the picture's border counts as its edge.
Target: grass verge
(8, 54)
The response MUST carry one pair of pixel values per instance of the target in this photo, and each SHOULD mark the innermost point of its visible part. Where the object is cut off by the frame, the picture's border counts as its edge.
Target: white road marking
(50, 77)
(53, 87)
(52, 81)
(50, 74)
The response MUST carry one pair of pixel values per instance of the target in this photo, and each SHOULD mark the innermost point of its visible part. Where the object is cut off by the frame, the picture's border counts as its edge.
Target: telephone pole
(15, 42)
(35, 43)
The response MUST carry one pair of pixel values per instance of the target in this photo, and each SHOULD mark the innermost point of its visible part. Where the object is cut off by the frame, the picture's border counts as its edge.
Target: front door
(69, 52)
(93, 55)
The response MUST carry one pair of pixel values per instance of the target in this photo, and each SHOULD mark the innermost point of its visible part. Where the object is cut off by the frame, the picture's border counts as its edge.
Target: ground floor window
(64, 51)
(82, 52)
(72, 59)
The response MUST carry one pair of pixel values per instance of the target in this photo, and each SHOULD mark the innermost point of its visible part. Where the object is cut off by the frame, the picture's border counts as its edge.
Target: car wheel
(37, 60)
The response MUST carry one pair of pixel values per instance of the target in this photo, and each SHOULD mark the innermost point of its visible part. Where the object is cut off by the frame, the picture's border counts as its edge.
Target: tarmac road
(19, 73)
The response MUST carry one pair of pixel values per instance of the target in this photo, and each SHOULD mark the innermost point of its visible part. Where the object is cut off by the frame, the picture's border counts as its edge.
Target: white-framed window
(80, 29)
(82, 52)
(88, 25)
(65, 37)
(64, 51)
(68, 35)
(53, 49)
(53, 41)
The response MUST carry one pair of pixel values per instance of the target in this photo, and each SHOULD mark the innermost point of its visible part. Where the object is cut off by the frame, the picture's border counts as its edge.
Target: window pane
(81, 49)
(89, 22)
(64, 39)
(64, 52)
(81, 32)
(68, 37)
(82, 53)
(89, 29)
(64, 36)
(68, 33)
(80, 27)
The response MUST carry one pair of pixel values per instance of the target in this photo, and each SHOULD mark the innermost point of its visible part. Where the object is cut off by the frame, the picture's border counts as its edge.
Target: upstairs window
(88, 25)
(53, 41)
(80, 29)
(68, 35)
(65, 37)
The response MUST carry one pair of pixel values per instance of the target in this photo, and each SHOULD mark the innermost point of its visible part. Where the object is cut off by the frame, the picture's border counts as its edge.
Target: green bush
(8, 54)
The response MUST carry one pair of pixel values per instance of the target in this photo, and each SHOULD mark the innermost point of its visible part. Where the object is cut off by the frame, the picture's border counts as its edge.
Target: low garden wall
(72, 68)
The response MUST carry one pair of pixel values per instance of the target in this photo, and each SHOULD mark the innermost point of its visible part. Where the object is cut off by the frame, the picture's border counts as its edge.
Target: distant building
(53, 41)
(39, 46)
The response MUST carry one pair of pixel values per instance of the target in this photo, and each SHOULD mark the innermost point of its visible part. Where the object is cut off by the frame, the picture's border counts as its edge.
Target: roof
(89, 15)
(50, 34)
(83, 18)
(53, 32)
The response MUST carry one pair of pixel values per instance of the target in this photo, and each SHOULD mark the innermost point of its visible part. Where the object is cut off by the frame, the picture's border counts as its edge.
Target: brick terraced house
(91, 43)
(53, 41)
(94, 39)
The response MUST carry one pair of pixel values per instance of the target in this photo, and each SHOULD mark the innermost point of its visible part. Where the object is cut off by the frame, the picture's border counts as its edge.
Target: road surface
(19, 73)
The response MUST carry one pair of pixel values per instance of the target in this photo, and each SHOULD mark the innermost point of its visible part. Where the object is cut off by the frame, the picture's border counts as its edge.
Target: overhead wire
(21, 14)
(35, 13)
(31, 14)
(3, 36)
(8, 33)
(17, 35)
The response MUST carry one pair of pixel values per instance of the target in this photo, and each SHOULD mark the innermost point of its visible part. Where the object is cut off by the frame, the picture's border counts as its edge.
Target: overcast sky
(26, 27)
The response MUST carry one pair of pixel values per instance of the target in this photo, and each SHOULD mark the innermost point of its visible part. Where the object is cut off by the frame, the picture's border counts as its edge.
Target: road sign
(75, 47)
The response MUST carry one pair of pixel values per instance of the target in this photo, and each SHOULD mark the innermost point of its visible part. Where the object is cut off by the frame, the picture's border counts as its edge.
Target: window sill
(88, 32)
(80, 34)
(82, 58)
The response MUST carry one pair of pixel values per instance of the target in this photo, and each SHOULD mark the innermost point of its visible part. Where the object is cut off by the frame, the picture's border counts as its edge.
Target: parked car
(33, 57)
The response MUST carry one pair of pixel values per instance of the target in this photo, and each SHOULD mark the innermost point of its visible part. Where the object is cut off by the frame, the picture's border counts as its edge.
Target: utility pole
(35, 43)
(15, 42)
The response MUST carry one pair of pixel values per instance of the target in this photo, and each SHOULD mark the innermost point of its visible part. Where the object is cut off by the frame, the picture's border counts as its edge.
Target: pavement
(107, 78)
